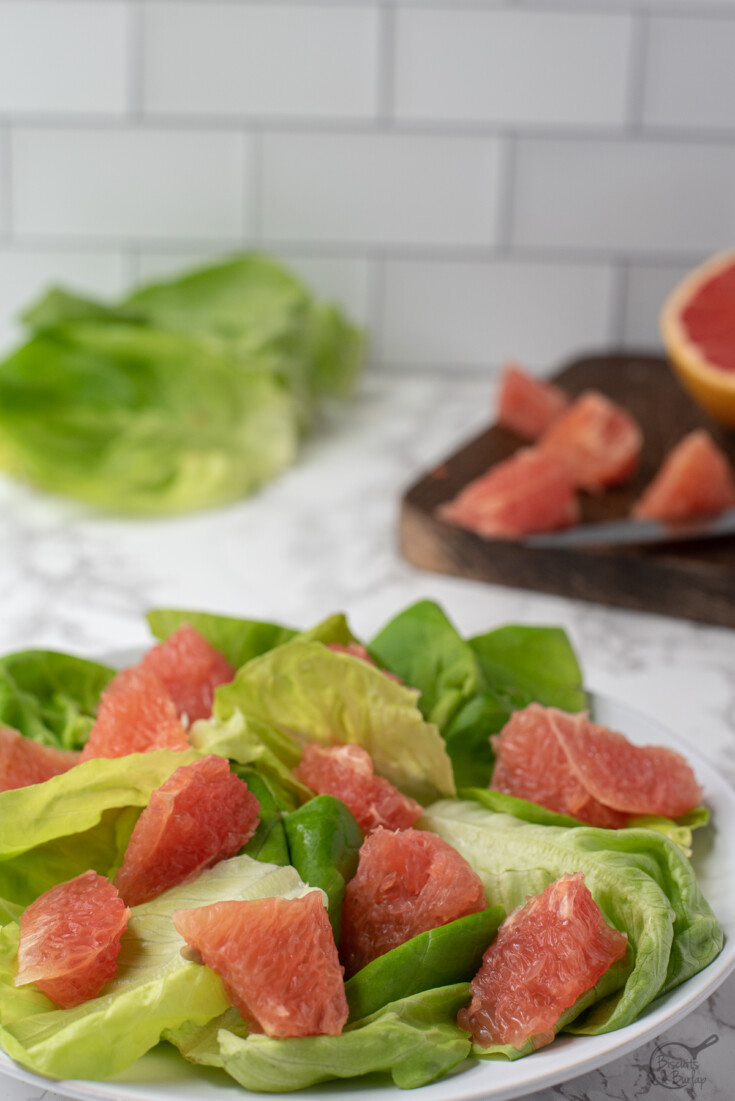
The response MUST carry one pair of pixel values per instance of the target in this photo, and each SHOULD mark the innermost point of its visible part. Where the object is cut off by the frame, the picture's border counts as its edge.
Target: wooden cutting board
(693, 580)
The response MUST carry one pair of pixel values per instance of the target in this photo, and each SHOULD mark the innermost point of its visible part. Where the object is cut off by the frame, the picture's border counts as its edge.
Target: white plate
(162, 1075)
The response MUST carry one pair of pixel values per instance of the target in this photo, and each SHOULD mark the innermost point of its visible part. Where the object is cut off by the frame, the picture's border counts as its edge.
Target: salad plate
(162, 1075)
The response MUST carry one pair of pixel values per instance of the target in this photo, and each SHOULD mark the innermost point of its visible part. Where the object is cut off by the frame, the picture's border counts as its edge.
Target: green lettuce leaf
(530, 664)
(304, 691)
(269, 842)
(154, 987)
(51, 697)
(239, 640)
(640, 880)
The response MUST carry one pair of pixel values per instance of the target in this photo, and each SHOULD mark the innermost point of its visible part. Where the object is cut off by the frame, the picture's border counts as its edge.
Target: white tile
(127, 184)
(152, 265)
(380, 189)
(58, 58)
(647, 287)
(444, 314)
(511, 66)
(231, 59)
(624, 195)
(4, 181)
(690, 73)
(24, 275)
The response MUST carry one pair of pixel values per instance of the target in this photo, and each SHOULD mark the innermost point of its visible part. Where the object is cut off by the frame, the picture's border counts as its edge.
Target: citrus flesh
(70, 939)
(24, 762)
(347, 772)
(598, 439)
(528, 405)
(277, 959)
(407, 882)
(136, 714)
(695, 479)
(529, 492)
(202, 814)
(190, 670)
(545, 955)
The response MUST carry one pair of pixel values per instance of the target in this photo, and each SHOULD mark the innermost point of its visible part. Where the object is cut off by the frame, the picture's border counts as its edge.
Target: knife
(627, 532)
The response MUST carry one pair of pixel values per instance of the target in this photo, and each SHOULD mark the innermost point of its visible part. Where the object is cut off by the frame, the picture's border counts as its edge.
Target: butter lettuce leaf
(239, 640)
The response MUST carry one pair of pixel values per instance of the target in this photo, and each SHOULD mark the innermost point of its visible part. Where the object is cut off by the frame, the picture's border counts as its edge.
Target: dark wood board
(693, 580)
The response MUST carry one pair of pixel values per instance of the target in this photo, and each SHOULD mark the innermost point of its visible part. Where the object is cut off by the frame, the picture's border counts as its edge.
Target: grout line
(135, 47)
(375, 307)
(636, 90)
(387, 32)
(6, 186)
(253, 211)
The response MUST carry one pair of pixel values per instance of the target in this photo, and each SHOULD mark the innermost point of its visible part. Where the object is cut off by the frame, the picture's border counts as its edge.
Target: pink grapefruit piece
(202, 814)
(407, 882)
(530, 492)
(136, 714)
(545, 955)
(696, 479)
(347, 772)
(528, 405)
(277, 959)
(70, 939)
(24, 762)
(629, 778)
(598, 439)
(530, 763)
(190, 669)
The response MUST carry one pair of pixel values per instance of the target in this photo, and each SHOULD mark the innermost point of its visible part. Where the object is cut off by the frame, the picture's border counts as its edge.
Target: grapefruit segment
(632, 779)
(347, 772)
(698, 330)
(528, 405)
(529, 492)
(546, 954)
(202, 814)
(277, 959)
(24, 762)
(70, 939)
(530, 763)
(190, 669)
(136, 714)
(598, 439)
(695, 479)
(406, 882)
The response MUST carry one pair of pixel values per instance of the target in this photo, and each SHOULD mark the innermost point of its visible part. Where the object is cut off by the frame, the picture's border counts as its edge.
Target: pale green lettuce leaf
(305, 691)
(641, 881)
(154, 987)
(239, 640)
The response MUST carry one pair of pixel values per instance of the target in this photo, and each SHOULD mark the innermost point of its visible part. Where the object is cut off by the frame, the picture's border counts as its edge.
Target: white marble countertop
(322, 539)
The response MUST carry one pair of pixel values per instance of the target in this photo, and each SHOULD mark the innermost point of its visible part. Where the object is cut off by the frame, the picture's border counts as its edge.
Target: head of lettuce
(185, 395)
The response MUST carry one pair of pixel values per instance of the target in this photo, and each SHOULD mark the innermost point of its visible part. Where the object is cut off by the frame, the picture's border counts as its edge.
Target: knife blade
(627, 532)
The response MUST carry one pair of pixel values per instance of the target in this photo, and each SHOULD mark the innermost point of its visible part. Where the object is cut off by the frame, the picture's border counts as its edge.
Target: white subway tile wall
(470, 179)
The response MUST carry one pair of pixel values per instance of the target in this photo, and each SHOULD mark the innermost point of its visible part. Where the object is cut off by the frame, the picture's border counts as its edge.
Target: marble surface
(323, 538)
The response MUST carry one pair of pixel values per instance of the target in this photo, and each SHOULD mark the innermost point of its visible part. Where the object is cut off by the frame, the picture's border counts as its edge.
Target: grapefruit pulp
(598, 439)
(347, 772)
(529, 492)
(696, 479)
(202, 814)
(277, 959)
(698, 331)
(407, 882)
(24, 762)
(190, 669)
(70, 939)
(136, 714)
(546, 954)
(528, 405)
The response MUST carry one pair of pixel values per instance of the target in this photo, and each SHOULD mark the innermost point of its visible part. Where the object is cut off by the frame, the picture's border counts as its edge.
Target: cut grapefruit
(407, 882)
(190, 669)
(70, 939)
(277, 959)
(696, 479)
(528, 405)
(136, 714)
(24, 762)
(347, 772)
(698, 330)
(529, 492)
(202, 814)
(546, 954)
(598, 439)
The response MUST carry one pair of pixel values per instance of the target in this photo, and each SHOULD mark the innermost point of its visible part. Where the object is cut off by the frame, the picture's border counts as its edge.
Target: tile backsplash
(471, 179)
